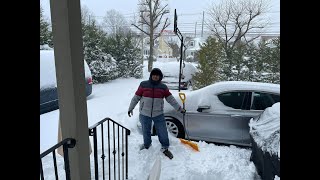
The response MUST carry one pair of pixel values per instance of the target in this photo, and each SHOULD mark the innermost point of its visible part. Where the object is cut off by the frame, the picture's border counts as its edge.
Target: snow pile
(265, 130)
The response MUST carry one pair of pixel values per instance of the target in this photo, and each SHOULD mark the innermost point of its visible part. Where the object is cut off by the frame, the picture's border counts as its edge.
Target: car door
(260, 101)
(221, 125)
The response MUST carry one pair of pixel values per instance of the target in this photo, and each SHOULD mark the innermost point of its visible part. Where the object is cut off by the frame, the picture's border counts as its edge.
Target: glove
(183, 111)
(130, 113)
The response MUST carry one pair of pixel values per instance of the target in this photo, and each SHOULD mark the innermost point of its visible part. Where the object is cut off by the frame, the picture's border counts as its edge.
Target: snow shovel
(188, 142)
(156, 170)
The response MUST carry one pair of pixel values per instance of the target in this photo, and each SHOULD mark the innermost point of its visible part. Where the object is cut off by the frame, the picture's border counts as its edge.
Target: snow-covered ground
(112, 100)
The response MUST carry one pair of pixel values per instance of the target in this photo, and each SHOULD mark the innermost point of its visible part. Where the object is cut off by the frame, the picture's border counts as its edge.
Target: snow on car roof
(48, 69)
(242, 85)
(207, 96)
(172, 68)
(225, 86)
(265, 130)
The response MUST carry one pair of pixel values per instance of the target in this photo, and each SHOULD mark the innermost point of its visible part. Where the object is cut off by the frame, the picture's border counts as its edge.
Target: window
(263, 100)
(191, 43)
(236, 100)
(275, 97)
(192, 53)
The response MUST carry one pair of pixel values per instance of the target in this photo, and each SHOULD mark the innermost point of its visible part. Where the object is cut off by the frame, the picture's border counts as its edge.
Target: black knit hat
(156, 71)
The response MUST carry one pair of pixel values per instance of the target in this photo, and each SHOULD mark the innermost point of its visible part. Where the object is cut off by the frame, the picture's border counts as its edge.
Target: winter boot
(142, 147)
(167, 153)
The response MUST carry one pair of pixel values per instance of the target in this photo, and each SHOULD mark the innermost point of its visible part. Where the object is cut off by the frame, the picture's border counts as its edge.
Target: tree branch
(232, 20)
(159, 21)
(155, 7)
(141, 29)
(247, 42)
(235, 27)
(160, 12)
(164, 26)
(144, 21)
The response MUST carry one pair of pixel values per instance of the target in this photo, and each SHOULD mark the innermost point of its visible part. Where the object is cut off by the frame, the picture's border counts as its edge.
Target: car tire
(175, 127)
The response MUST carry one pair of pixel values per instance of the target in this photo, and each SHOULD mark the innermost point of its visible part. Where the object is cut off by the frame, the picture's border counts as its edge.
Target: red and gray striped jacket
(151, 97)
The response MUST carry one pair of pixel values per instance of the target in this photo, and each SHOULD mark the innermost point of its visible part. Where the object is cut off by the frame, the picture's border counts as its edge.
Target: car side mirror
(201, 108)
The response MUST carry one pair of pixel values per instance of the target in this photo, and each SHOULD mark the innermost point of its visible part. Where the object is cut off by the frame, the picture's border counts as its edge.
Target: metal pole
(195, 30)
(95, 154)
(202, 24)
(181, 51)
(142, 39)
(127, 162)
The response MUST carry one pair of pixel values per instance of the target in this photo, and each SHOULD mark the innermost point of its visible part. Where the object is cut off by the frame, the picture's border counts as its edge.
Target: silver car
(221, 112)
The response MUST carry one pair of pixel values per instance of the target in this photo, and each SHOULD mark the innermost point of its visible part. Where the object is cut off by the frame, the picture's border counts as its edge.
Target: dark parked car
(48, 83)
(221, 112)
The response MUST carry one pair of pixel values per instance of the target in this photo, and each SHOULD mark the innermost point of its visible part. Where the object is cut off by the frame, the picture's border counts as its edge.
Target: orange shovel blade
(193, 145)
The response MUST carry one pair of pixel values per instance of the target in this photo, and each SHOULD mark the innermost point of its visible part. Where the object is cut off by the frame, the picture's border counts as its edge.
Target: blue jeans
(161, 128)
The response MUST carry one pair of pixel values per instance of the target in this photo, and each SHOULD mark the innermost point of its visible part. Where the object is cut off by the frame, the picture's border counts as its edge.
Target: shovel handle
(182, 97)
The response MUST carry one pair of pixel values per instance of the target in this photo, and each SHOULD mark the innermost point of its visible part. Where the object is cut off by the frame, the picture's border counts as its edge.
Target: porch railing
(66, 143)
(117, 144)
(114, 140)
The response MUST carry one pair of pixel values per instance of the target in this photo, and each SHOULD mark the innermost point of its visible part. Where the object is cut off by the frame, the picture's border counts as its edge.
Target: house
(164, 49)
(269, 40)
(193, 45)
(146, 48)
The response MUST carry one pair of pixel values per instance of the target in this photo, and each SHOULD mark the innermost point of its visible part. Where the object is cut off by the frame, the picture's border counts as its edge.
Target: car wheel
(175, 128)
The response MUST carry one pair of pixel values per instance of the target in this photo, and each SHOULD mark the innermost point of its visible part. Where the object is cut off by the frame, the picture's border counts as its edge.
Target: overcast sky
(189, 12)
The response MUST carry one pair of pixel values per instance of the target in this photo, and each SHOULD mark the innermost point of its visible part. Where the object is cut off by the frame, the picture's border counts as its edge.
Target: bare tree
(86, 15)
(115, 22)
(151, 15)
(232, 21)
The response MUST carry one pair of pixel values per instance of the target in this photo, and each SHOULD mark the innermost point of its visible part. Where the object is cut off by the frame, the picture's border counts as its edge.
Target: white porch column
(68, 51)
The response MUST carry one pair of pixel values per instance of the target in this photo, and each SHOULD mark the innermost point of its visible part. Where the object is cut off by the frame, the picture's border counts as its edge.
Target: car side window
(236, 100)
(275, 97)
(263, 100)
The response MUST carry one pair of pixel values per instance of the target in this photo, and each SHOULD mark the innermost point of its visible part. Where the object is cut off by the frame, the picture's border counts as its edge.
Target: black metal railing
(66, 143)
(118, 167)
